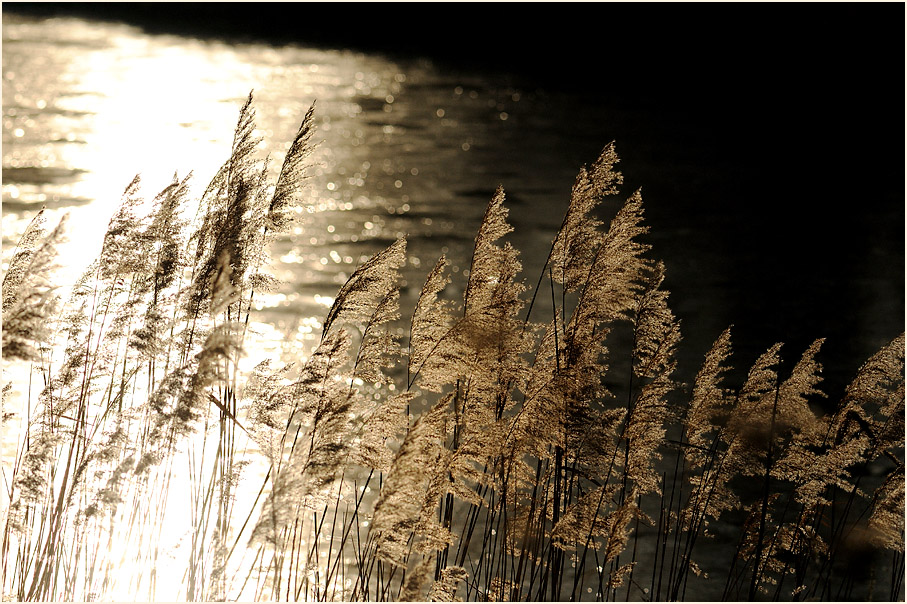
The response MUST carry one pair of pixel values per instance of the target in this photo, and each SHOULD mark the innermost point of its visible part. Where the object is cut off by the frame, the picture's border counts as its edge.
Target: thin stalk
(757, 565)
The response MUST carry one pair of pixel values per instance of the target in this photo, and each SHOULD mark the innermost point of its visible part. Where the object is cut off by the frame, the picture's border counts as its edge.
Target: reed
(525, 479)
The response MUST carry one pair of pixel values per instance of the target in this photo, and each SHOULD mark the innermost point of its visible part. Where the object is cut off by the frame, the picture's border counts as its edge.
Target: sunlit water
(406, 148)
(403, 150)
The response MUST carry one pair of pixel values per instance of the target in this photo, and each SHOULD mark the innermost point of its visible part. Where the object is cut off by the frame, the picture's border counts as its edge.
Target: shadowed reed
(557, 458)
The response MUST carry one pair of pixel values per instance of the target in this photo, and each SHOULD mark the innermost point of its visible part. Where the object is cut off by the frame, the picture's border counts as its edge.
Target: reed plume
(29, 301)
(549, 449)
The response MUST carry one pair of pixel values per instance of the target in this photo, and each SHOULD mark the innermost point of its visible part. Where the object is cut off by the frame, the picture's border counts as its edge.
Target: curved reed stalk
(526, 478)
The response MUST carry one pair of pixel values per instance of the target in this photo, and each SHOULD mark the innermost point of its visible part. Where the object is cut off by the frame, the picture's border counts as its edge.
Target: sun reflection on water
(87, 106)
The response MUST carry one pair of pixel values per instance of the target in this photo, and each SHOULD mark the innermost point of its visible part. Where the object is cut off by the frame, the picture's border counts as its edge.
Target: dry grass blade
(399, 508)
(292, 174)
(534, 465)
(357, 300)
(29, 302)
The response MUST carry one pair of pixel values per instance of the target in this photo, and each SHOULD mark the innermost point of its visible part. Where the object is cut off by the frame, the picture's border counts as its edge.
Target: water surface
(410, 146)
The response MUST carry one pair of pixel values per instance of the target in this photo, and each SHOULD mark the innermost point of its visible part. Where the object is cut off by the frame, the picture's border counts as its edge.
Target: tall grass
(526, 477)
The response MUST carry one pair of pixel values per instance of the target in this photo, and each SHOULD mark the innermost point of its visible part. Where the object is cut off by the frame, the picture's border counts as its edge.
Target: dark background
(778, 127)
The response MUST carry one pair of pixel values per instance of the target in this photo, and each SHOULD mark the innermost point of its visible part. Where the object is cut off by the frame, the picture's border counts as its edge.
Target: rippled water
(411, 146)
(407, 147)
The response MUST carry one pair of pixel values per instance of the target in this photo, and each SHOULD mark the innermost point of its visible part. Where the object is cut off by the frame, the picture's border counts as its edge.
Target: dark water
(773, 185)
(773, 188)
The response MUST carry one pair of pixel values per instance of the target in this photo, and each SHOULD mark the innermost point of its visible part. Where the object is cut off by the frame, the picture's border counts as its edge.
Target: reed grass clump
(526, 478)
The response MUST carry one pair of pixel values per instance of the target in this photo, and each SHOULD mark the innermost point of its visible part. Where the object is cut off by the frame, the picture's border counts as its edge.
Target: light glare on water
(87, 106)
(393, 156)
(405, 148)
